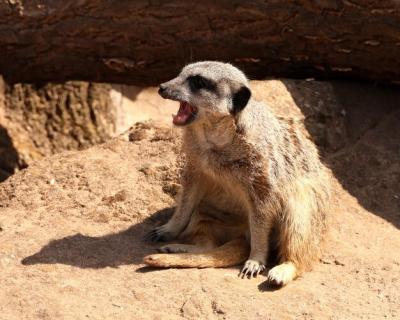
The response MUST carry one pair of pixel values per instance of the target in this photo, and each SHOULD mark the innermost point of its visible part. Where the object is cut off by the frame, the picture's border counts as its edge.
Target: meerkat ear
(240, 99)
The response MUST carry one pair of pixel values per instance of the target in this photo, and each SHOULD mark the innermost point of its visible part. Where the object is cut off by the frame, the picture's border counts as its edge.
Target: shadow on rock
(112, 250)
(266, 286)
(9, 158)
(356, 128)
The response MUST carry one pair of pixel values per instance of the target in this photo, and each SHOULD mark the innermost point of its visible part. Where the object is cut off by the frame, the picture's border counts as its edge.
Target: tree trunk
(145, 42)
(39, 121)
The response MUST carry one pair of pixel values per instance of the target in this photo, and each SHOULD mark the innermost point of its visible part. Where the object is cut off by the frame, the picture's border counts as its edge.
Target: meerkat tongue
(184, 113)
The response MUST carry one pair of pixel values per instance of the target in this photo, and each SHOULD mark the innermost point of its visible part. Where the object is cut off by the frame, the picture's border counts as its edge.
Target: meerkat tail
(230, 254)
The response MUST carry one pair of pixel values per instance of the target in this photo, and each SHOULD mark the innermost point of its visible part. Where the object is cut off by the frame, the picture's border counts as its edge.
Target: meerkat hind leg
(186, 209)
(197, 237)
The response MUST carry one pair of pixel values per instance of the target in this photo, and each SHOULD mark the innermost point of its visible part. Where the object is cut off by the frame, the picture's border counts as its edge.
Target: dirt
(71, 225)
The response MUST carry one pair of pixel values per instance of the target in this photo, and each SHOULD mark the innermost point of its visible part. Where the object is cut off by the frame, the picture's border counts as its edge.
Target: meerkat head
(207, 88)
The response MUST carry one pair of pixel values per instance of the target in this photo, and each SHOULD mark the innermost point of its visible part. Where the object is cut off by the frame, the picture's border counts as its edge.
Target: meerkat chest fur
(215, 135)
(220, 151)
(216, 146)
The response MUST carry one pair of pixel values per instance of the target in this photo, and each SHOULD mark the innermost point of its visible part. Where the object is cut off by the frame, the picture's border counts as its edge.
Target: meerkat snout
(169, 90)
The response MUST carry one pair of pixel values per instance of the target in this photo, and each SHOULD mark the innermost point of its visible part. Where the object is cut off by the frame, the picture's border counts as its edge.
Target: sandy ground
(71, 225)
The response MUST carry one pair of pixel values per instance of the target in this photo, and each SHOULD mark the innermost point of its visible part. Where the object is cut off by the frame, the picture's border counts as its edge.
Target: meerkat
(252, 182)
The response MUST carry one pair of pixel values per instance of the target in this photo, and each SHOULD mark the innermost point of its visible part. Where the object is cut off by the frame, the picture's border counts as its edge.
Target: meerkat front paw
(251, 269)
(159, 234)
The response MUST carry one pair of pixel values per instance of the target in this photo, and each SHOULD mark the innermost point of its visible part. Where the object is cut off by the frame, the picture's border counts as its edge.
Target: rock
(76, 245)
(38, 121)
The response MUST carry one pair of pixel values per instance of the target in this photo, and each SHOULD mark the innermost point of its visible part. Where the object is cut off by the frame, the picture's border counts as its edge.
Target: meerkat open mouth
(186, 114)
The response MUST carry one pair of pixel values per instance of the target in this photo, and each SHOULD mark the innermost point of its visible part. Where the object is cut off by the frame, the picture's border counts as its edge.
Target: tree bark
(145, 42)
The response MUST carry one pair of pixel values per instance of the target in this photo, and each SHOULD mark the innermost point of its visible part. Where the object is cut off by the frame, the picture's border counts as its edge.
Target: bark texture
(145, 42)
(36, 121)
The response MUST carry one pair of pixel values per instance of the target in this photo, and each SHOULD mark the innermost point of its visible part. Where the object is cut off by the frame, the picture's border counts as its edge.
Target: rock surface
(71, 225)
(38, 121)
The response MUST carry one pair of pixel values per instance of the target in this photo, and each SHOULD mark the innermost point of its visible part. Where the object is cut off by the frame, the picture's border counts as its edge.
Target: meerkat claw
(150, 236)
(254, 272)
(154, 236)
(251, 269)
(158, 234)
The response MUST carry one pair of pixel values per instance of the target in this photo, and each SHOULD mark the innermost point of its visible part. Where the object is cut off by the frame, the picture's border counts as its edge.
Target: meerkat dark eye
(197, 83)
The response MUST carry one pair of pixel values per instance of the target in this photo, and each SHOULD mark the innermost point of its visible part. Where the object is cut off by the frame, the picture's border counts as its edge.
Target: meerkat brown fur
(252, 181)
